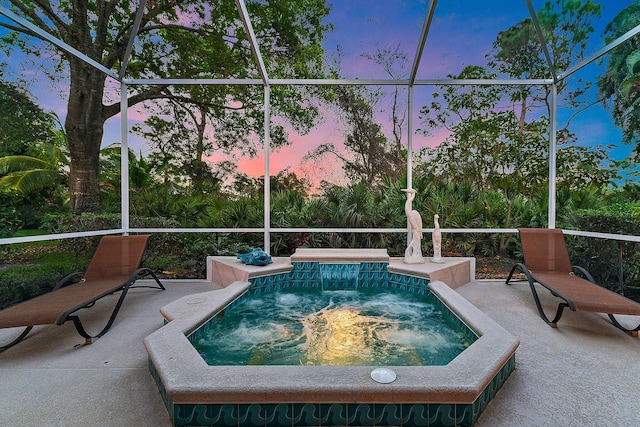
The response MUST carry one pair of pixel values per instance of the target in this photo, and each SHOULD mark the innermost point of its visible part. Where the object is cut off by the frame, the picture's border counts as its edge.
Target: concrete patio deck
(586, 372)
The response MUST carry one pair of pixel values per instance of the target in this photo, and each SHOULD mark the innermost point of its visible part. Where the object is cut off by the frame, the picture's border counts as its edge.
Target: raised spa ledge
(225, 270)
(200, 307)
(340, 255)
(454, 271)
(467, 383)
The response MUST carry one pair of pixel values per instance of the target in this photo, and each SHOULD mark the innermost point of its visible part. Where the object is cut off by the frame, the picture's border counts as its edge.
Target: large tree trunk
(522, 122)
(84, 127)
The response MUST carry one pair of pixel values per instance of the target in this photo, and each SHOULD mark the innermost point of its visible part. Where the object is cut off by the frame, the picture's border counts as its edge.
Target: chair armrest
(582, 272)
(68, 280)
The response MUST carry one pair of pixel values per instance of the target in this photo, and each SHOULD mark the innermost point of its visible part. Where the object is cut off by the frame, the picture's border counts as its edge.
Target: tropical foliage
(165, 49)
(621, 80)
(490, 171)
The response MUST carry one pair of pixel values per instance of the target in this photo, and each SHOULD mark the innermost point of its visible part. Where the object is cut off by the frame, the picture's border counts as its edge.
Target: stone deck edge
(187, 379)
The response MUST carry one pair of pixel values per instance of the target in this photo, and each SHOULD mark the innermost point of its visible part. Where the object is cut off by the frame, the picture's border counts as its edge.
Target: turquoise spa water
(303, 326)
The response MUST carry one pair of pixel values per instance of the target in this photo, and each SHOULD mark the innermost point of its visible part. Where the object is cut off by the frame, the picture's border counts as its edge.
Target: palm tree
(631, 84)
(27, 174)
(46, 168)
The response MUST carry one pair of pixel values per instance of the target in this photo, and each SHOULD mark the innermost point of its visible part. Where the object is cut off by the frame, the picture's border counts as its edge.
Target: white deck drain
(383, 375)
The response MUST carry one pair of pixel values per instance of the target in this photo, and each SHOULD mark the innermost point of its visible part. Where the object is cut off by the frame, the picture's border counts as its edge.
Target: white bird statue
(436, 238)
(415, 220)
(413, 253)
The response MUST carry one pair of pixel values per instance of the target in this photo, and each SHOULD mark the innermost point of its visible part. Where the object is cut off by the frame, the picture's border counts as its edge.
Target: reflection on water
(371, 327)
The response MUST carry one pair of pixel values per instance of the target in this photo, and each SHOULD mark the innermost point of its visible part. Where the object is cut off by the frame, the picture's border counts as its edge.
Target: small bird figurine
(436, 238)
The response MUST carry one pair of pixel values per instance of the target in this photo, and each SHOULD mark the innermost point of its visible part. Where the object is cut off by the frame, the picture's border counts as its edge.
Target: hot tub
(198, 394)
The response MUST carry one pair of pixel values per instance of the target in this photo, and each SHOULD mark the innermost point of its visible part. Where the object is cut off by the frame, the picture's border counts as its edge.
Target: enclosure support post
(267, 178)
(621, 265)
(409, 151)
(124, 159)
(552, 156)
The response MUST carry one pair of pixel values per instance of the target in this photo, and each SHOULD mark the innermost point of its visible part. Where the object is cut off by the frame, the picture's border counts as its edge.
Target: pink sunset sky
(461, 34)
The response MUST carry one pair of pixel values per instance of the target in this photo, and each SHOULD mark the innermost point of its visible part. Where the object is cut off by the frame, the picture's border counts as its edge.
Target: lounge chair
(546, 262)
(113, 268)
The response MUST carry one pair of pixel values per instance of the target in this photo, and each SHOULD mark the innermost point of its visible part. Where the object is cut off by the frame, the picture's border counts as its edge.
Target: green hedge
(39, 266)
(9, 221)
(159, 243)
(602, 257)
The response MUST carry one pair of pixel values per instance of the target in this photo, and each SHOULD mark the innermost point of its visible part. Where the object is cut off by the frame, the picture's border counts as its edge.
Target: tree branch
(29, 12)
(597, 101)
(157, 92)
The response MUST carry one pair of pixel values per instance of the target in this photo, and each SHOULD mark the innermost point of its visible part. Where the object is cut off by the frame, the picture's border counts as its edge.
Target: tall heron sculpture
(413, 253)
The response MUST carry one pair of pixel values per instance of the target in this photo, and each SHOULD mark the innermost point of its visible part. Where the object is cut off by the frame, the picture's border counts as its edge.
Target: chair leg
(559, 311)
(513, 270)
(91, 338)
(632, 332)
(17, 340)
(142, 272)
(553, 323)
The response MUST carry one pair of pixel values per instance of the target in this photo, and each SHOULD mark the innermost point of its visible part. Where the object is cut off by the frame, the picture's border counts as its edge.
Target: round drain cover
(383, 375)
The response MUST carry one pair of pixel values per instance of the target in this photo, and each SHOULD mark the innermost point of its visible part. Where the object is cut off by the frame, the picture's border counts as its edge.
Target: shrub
(40, 275)
(43, 265)
(9, 221)
(612, 263)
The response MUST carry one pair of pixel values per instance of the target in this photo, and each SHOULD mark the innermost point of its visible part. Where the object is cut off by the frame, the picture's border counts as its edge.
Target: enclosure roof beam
(543, 42)
(594, 57)
(423, 40)
(421, 82)
(43, 35)
(255, 48)
(334, 82)
(484, 82)
(193, 81)
(134, 33)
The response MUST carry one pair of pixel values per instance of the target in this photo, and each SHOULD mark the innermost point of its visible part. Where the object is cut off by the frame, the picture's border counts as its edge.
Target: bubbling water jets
(337, 327)
(337, 336)
(342, 334)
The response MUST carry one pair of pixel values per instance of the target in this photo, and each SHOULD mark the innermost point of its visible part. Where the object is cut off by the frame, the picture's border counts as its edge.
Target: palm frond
(11, 164)
(54, 155)
(30, 180)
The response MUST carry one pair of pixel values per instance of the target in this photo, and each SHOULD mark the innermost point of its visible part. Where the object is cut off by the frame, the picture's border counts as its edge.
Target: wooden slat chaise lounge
(114, 267)
(546, 262)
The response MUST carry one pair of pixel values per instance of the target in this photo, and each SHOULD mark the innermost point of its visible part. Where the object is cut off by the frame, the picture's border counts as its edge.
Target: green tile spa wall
(308, 274)
(341, 414)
